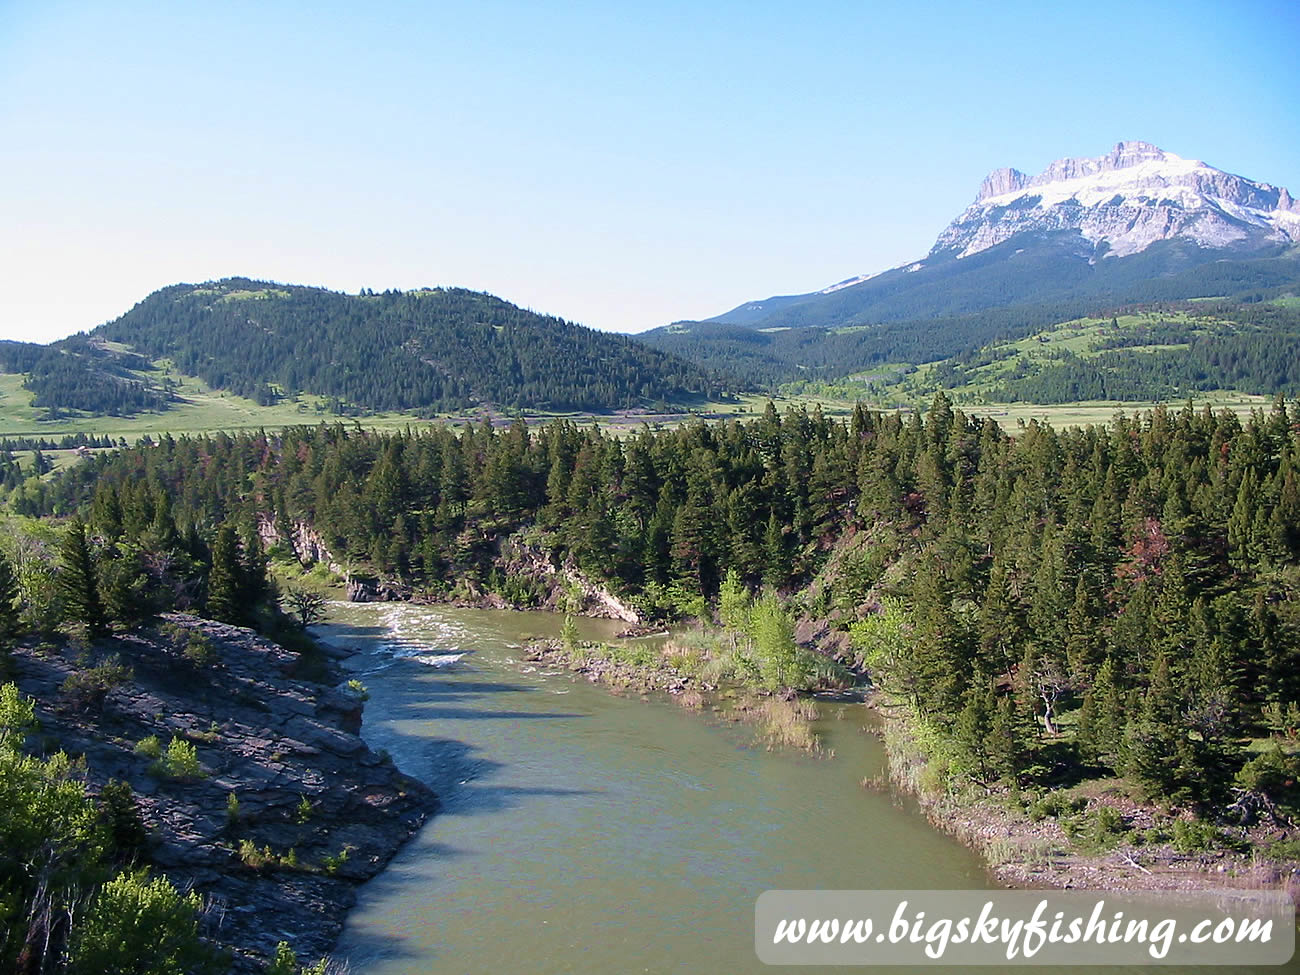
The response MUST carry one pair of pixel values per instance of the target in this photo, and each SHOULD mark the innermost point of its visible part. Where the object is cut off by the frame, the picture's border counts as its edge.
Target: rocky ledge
(315, 812)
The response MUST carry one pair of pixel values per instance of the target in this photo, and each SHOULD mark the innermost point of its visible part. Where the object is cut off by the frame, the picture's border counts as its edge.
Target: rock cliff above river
(308, 788)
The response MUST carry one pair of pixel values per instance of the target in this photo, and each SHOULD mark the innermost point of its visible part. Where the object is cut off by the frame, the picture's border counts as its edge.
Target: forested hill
(435, 349)
(991, 303)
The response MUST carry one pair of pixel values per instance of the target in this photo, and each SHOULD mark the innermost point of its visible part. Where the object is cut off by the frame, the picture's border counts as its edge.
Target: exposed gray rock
(306, 542)
(263, 735)
(365, 589)
(1123, 202)
(1002, 181)
(563, 583)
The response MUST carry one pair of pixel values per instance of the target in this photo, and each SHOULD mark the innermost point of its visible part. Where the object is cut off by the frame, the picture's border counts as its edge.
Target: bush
(1275, 774)
(17, 714)
(52, 842)
(198, 649)
(569, 633)
(120, 815)
(86, 688)
(1193, 836)
(1096, 831)
(332, 863)
(195, 645)
(180, 762)
(1054, 804)
(687, 603)
(286, 963)
(263, 858)
(1288, 849)
(519, 590)
(149, 747)
(136, 925)
(42, 605)
(258, 859)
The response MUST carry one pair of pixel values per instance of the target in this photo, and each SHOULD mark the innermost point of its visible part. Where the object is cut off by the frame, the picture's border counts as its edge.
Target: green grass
(1101, 412)
(201, 409)
(205, 410)
(1082, 338)
(247, 295)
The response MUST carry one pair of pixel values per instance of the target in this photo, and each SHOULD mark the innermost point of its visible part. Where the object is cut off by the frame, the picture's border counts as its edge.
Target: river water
(586, 832)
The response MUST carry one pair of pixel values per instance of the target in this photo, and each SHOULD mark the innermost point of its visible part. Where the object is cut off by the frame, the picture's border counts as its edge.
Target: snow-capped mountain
(1136, 224)
(1125, 201)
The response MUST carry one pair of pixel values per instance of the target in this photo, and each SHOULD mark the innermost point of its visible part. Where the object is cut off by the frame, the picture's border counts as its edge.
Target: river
(582, 831)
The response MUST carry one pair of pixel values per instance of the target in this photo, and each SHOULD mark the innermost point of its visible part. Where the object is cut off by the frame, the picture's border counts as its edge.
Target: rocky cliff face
(1125, 201)
(306, 542)
(288, 750)
(567, 588)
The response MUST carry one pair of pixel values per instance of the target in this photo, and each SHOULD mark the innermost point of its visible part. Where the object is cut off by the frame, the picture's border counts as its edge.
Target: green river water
(586, 832)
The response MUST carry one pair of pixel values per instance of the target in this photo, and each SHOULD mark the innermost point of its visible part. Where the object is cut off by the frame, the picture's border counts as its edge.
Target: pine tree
(224, 595)
(10, 612)
(776, 564)
(1153, 735)
(973, 732)
(1241, 523)
(1006, 754)
(1083, 641)
(78, 583)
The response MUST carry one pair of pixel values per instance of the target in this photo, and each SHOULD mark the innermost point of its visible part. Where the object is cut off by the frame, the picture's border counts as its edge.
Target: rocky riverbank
(287, 811)
(604, 665)
(1023, 850)
(783, 720)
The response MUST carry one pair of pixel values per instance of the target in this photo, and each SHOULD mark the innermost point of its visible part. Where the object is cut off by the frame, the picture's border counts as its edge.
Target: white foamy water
(433, 659)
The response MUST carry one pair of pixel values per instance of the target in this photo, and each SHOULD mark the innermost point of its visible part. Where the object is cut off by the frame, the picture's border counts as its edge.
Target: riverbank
(284, 810)
(1095, 837)
(695, 681)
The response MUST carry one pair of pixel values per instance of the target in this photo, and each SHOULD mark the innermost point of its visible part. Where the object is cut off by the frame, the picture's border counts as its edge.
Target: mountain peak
(1004, 180)
(1126, 200)
(1125, 155)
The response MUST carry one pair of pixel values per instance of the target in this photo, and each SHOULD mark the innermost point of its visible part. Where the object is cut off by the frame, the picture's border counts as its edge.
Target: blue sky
(619, 164)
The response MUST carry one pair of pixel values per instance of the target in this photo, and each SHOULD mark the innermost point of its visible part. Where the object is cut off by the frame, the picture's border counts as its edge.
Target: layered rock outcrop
(321, 811)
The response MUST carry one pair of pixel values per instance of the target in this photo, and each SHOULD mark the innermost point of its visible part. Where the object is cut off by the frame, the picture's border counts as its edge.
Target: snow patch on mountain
(848, 283)
(1128, 199)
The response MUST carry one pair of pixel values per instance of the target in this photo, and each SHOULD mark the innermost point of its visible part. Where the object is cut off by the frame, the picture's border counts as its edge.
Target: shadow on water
(430, 707)
(338, 632)
(455, 769)
(469, 688)
(428, 711)
(365, 950)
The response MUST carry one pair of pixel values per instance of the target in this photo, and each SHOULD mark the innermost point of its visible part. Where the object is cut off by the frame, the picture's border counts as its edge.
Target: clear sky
(620, 164)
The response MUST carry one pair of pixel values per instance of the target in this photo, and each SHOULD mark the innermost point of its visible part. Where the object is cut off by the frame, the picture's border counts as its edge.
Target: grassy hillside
(1147, 353)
